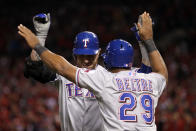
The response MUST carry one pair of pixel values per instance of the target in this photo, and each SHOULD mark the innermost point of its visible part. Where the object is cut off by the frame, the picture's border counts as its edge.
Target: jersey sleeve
(93, 80)
(160, 81)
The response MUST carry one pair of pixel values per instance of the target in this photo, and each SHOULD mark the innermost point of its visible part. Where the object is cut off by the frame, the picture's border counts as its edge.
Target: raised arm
(146, 33)
(34, 67)
(145, 66)
(41, 24)
(144, 53)
(54, 61)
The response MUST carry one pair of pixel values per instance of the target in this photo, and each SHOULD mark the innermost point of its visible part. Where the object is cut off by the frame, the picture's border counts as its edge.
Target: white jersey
(78, 108)
(127, 100)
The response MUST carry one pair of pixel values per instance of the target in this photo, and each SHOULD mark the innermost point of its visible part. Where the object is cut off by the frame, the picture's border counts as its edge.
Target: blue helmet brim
(85, 51)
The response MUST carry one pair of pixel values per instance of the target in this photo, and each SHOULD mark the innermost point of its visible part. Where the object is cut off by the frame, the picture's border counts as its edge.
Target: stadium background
(26, 105)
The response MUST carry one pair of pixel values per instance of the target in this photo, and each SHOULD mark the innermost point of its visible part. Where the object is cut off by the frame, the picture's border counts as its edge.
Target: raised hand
(145, 30)
(28, 35)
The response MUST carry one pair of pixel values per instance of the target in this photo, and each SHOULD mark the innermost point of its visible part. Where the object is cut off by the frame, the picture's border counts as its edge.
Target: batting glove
(42, 24)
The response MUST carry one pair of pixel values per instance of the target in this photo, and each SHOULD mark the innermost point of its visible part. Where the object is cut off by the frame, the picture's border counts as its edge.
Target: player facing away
(127, 99)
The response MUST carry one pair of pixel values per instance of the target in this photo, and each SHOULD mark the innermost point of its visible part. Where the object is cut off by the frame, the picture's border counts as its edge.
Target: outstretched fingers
(139, 26)
(28, 35)
(21, 33)
(144, 18)
(24, 31)
(21, 30)
(145, 26)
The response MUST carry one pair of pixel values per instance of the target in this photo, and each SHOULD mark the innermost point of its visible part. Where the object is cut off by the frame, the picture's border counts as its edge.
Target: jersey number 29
(146, 103)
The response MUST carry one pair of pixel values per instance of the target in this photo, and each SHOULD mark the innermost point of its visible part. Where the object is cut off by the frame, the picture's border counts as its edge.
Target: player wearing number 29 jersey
(127, 99)
(127, 96)
(79, 109)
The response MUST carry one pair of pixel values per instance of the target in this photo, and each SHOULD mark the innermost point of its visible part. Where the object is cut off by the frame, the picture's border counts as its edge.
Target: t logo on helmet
(85, 42)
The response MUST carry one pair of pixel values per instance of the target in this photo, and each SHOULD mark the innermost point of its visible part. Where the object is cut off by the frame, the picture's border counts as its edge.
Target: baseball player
(119, 93)
(71, 98)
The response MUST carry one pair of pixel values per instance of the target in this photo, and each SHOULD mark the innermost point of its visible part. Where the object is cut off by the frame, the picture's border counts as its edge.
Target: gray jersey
(127, 100)
(78, 107)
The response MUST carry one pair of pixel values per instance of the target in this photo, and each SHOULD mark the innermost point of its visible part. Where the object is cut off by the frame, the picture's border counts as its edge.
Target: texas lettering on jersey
(75, 91)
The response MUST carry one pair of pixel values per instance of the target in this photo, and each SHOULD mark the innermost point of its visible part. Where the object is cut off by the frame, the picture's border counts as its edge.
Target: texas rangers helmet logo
(85, 42)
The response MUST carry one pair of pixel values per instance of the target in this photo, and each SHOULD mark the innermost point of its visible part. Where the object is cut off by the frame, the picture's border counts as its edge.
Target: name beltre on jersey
(135, 85)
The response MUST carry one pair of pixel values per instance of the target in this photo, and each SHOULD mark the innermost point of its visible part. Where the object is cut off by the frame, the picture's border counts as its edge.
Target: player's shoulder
(102, 70)
(152, 75)
(134, 72)
(99, 71)
(156, 75)
(99, 67)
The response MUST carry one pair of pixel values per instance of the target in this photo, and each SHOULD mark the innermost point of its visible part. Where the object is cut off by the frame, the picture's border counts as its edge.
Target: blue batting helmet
(119, 53)
(86, 43)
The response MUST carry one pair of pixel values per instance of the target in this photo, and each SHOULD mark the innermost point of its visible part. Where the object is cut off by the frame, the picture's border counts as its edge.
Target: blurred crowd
(27, 105)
